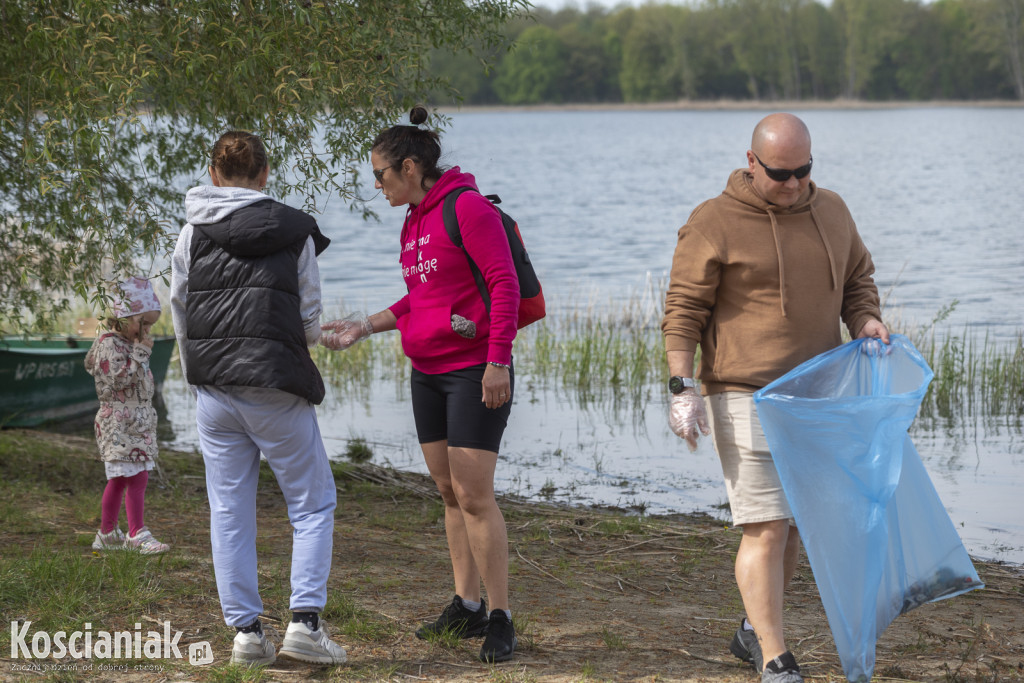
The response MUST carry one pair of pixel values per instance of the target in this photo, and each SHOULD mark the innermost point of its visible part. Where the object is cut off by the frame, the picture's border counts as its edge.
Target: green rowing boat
(43, 380)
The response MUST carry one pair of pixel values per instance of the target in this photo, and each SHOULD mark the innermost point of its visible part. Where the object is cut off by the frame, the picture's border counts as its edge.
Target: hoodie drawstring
(778, 252)
(828, 248)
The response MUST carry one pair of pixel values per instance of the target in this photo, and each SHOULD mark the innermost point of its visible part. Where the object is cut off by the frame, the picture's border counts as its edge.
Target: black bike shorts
(448, 407)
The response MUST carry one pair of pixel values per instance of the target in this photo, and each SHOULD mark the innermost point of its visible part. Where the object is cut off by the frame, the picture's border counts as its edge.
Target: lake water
(599, 196)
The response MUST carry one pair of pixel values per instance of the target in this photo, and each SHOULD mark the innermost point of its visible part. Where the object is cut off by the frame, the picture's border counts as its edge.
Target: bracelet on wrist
(498, 365)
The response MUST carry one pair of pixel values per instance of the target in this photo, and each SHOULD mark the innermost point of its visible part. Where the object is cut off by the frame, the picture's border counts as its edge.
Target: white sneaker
(112, 541)
(252, 649)
(145, 543)
(306, 645)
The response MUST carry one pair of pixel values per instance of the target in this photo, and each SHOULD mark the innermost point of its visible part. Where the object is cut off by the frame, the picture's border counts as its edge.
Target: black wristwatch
(678, 385)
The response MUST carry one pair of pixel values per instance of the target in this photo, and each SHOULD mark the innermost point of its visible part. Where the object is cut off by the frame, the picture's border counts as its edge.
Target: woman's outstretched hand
(346, 332)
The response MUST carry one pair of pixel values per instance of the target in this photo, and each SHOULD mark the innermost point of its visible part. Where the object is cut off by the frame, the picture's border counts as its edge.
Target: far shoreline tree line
(874, 50)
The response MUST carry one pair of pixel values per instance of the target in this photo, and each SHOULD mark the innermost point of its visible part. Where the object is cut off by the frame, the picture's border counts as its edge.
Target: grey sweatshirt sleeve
(179, 290)
(310, 302)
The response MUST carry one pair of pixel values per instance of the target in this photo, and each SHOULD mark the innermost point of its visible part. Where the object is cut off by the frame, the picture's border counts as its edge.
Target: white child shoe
(145, 543)
(111, 541)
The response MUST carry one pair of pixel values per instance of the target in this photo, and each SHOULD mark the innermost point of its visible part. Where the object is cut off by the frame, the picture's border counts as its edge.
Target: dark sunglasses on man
(781, 175)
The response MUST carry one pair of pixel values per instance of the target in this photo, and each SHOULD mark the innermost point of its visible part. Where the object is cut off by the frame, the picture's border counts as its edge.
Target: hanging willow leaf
(108, 109)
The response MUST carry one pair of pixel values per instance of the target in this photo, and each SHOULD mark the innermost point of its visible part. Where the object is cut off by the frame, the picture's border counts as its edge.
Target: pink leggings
(133, 489)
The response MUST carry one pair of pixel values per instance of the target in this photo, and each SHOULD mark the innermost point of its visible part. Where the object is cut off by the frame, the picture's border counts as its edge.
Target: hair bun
(239, 154)
(417, 115)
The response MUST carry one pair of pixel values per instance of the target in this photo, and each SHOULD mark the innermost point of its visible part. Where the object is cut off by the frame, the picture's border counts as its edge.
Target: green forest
(707, 50)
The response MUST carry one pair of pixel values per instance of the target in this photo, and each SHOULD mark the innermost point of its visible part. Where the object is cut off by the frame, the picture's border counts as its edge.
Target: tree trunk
(1013, 23)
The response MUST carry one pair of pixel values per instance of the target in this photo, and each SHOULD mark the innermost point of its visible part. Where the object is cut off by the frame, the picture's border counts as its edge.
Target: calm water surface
(599, 197)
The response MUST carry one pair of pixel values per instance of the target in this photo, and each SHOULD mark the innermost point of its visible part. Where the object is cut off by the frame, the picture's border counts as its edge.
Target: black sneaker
(500, 642)
(745, 646)
(782, 669)
(458, 620)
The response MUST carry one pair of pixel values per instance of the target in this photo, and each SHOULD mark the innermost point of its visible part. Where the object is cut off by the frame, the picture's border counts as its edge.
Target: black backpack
(531, 296)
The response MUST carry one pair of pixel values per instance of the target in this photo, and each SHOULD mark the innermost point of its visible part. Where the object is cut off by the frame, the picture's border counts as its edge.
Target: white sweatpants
(235, 425)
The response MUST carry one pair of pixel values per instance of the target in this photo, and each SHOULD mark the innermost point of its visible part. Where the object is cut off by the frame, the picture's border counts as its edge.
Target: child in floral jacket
(126, 421)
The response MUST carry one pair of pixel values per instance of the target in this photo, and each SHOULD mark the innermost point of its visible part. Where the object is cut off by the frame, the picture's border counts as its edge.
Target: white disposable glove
(347, 331)
(686, 414)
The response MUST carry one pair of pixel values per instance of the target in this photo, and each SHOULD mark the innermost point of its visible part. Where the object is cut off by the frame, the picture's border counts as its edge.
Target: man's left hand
(876, 329)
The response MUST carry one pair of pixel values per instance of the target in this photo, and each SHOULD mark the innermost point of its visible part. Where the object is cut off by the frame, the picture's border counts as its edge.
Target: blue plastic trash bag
(877, 536)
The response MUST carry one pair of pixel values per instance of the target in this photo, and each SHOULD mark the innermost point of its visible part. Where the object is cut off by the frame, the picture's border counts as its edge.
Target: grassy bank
(613, 352)
(596, 595)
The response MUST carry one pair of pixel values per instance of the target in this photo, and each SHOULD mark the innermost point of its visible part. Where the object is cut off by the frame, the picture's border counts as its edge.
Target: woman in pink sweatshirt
(461, 356)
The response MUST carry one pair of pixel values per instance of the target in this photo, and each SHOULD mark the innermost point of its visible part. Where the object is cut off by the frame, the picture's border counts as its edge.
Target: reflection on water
(976, 467)
(607, 451)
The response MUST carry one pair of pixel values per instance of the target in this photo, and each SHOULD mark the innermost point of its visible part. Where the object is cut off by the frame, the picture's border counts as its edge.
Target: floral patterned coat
(126, 421)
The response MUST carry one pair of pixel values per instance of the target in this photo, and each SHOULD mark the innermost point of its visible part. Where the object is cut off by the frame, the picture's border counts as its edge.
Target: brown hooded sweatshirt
(762, 288)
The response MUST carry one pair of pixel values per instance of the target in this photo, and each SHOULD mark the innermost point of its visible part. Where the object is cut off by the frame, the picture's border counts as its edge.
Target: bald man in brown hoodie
(761, 277)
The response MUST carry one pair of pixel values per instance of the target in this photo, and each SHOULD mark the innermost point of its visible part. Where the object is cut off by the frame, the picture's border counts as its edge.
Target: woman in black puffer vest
(245, 296)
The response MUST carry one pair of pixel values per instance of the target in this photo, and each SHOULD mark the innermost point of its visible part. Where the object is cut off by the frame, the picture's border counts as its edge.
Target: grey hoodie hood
(248, 223)
(211, 204)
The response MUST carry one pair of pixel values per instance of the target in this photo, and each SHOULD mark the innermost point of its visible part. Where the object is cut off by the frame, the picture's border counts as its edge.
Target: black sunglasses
(378, 173)
(781, 175)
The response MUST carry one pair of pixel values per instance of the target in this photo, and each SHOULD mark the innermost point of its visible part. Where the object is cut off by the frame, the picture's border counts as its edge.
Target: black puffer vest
(242, 310)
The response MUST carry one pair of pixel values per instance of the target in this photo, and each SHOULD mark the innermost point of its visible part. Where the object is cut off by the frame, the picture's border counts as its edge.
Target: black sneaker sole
(504, 658)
